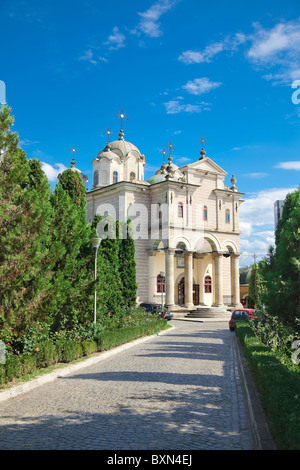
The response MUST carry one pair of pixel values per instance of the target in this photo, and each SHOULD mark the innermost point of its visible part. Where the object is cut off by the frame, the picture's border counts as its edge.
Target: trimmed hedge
(48, 353)
(111, 339)
(278, 387)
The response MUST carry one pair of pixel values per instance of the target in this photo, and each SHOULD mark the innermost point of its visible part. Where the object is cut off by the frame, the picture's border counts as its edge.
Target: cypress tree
(72, 286)
(25, 218)
(127, 266)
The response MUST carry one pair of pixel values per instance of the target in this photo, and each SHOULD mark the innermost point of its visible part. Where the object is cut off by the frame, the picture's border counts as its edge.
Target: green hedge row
(278, 387)
(48, 353)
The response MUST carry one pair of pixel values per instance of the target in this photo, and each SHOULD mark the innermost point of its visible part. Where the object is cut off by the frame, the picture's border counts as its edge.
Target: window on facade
(180, 209)
(132, 176)
(161, 283)
(227, 216)
(115, 177)
(207, 285)
(96, 178)
(205, 213)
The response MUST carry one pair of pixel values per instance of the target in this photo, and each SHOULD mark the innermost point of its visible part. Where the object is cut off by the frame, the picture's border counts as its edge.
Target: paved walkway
(180, 390)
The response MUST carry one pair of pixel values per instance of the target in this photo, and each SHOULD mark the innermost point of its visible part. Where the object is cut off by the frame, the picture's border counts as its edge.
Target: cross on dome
(108, 132)
(122, 116)
(73, 150)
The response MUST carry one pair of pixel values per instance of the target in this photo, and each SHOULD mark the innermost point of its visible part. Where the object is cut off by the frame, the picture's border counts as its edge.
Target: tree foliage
(280, 270)
(46, 259)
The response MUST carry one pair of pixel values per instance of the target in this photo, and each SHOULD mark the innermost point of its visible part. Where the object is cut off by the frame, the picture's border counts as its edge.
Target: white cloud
(258, 209)
(52, 172)
(210, 51)
(149, 23)
(278, 46)
(199, 86)
(175, 106)
(89, 57)
(115, 40)
(289, 165)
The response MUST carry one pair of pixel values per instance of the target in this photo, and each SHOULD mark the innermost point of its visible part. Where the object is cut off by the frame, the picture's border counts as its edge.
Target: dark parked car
(243, 314)
(151, 308)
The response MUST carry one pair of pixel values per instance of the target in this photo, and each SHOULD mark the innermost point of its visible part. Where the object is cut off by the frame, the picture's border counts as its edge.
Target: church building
(185, 220)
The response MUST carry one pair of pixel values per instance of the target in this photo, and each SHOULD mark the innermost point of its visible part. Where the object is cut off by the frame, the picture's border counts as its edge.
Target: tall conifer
(25, 218)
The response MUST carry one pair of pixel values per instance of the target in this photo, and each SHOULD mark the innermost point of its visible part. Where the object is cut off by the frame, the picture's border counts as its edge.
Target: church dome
(123, 147)
(160, 175)
(107, 153)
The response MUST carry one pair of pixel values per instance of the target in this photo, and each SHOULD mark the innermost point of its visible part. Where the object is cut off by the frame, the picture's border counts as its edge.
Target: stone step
(208, 312)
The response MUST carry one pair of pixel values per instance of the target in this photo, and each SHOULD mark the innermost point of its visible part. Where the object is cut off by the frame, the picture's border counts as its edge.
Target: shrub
(71, 350)
(88, 347)
(278, 387)
(46, 354)
(12, 367)
(2, 374)
(28, 364)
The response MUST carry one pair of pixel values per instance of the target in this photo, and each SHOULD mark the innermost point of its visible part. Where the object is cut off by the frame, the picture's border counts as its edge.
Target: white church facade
(186, 225)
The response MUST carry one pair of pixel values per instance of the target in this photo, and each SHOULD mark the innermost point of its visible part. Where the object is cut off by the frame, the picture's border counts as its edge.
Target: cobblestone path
(180, 390)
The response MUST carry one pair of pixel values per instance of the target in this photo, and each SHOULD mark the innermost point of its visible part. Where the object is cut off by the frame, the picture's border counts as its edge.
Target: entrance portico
(193, 279)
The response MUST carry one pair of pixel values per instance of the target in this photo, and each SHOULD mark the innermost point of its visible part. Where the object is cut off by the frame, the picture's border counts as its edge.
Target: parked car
(151, 308)
(168, 316)
(243, 314)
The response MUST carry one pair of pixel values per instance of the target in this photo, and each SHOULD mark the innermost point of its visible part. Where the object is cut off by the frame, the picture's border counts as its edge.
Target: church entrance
(181, 298)
(181, 292)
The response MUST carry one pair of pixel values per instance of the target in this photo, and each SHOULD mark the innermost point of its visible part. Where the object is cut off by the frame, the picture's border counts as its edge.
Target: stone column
(188, 279)
(151, 275)
(218, 280)
(235, 280)
(169, 257)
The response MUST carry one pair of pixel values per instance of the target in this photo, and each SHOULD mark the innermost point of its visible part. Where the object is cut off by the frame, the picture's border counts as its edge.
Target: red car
(243, 314)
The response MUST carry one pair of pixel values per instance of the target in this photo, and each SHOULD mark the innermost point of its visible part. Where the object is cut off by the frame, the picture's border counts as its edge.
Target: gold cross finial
(171, 147)
(122, 116)
(108, 132)
(202, 141)
(163, 153)
(73, 150)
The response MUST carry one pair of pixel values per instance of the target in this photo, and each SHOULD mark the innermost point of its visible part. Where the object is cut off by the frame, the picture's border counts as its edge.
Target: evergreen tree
(255, 288)
(72, 285)
(280, 270)
(286, 287)
(25, 218)
(127, 265)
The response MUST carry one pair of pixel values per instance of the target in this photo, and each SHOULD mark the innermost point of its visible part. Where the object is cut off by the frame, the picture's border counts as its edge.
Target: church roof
(123, 146)
(108, 153)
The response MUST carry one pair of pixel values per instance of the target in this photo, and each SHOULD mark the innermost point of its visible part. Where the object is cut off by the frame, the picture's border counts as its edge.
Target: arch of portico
(206, 258)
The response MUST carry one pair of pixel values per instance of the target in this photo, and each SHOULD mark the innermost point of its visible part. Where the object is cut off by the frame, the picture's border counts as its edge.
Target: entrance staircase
(201, 312)
(209, 312)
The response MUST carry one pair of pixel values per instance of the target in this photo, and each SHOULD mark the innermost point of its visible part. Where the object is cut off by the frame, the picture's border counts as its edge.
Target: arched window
(205, 213)
(227, 216)
(207, 285)
(96, 178)
(132, 176)
(180, 209)
(161, 283)
(115, 177)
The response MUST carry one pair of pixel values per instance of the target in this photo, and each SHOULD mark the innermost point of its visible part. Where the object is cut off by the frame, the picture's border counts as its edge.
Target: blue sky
(180, 69)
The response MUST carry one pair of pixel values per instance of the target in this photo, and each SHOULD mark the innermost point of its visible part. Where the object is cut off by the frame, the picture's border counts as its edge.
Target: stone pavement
(180, 390)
